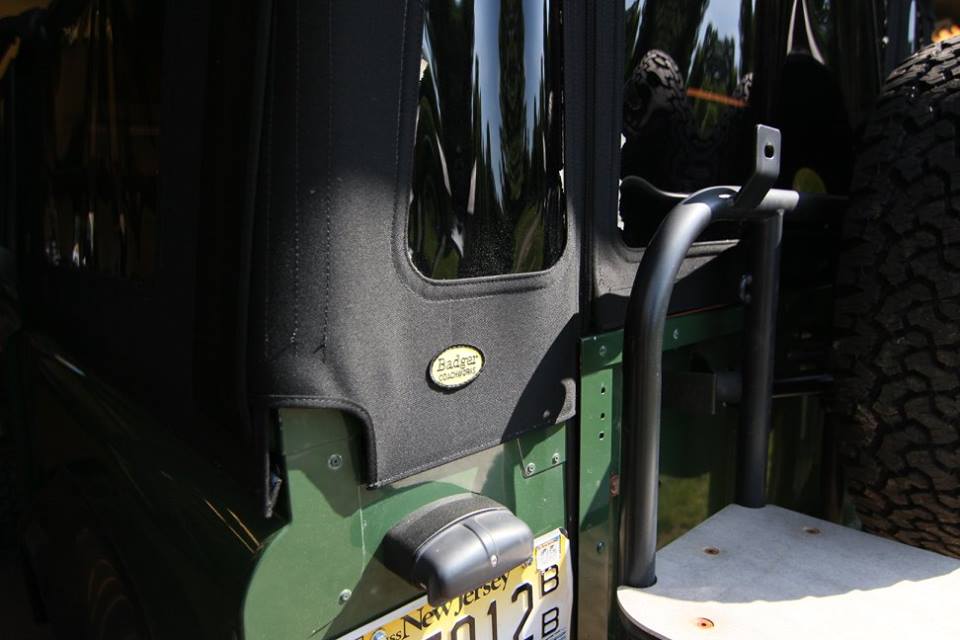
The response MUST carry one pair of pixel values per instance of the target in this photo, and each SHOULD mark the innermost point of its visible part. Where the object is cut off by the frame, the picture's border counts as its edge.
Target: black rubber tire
(655, 88)
(897, 317)
(663, 145)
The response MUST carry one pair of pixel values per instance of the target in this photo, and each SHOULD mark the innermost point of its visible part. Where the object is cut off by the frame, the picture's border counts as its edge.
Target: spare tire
(897, 316)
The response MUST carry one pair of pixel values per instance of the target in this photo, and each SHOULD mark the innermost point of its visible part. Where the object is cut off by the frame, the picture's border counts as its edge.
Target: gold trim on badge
(457, 366)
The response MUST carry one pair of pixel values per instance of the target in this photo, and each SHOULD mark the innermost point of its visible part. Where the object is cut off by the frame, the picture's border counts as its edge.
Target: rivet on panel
(705, 623)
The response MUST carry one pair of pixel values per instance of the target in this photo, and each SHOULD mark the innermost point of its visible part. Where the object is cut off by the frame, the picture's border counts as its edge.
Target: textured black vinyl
(457, 544)
(339, 317)
(402, 542)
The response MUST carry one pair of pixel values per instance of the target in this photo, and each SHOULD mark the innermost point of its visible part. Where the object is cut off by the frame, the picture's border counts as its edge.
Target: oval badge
(456, 367)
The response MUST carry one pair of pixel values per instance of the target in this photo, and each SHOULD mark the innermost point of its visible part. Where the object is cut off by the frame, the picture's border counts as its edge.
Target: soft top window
(487, 194)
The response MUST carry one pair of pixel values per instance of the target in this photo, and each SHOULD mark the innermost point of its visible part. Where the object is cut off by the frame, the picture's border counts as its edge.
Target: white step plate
(783, 575)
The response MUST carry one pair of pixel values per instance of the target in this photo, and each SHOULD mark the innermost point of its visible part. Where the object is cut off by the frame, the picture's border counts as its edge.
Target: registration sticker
(531, 602)
(547, 553)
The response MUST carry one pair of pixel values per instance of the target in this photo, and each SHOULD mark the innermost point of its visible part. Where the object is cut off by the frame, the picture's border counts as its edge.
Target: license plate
(531, 602)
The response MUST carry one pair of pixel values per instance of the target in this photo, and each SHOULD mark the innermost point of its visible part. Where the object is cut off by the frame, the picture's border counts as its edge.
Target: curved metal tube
(643, 346)
(642, 372)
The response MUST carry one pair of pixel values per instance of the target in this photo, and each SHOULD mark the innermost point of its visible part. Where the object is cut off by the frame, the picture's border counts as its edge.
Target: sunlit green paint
(600, 424)
(599, 465)
(679, 331)
(331, 546)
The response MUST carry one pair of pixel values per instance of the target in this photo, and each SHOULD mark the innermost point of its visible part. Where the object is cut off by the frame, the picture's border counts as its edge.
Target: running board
(746, 574)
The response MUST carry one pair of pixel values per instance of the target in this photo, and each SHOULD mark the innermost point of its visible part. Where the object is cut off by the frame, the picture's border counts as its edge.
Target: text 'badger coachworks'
(456, 366)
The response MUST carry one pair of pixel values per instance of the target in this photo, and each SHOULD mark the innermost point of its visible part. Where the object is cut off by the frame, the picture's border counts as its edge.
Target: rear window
(487, 195)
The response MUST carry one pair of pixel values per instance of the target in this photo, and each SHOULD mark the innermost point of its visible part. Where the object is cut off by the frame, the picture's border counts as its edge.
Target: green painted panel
(599, 458)
(326, 563)
(606, 350)
(697, 457)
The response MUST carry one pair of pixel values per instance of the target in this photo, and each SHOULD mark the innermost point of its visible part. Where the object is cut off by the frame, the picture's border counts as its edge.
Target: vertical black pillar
(760, 333)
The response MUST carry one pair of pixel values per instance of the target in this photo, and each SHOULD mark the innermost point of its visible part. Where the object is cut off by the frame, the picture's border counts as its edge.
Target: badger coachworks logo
(456, 367)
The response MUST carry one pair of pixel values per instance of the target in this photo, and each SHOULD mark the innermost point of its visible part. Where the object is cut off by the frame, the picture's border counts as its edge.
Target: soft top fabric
(339, 317)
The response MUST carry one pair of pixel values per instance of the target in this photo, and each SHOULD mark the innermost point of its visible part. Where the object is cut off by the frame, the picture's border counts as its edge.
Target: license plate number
(531, 602)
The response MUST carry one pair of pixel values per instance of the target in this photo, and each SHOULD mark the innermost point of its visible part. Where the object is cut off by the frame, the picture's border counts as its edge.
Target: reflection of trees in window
(102, 139)
(486, 188)
(671, 26)
(632, 12)
(820, 14)
(713, 70)
(747, 25)
(689, 75)
(714, 57)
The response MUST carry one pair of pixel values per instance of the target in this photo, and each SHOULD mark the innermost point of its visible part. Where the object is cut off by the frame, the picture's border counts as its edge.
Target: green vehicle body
(106, 479)
(195, 532)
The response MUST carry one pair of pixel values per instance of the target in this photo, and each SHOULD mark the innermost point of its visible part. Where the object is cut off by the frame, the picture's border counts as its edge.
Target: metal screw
(530, 469)
(494, 560)
(345, 595)
(335, 461)
(705, 623)
(601, 546)
(602, 350)
(379, 635)
(676, 334)
(556, 458)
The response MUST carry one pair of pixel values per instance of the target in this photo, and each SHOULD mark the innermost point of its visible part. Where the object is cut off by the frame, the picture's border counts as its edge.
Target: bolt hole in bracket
(762, 207)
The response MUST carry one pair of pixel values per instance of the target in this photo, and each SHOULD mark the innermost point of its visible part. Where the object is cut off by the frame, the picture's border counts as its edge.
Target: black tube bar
(642, 378)
(760, 328)
(643, 370)
(643, 346)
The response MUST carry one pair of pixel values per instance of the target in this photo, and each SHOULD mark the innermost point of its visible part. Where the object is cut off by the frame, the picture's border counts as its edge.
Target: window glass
(102, 140)
(686, 113)
(487, 193)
